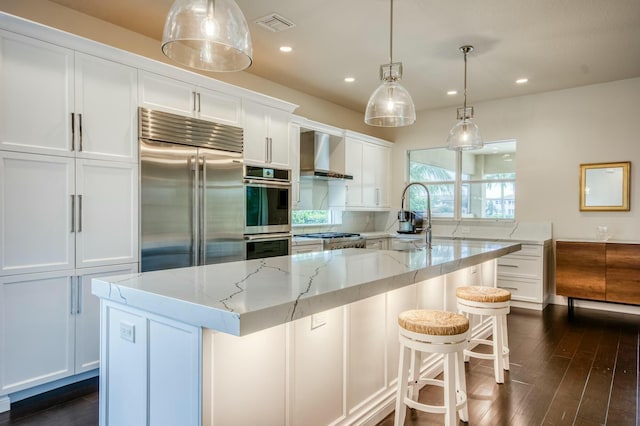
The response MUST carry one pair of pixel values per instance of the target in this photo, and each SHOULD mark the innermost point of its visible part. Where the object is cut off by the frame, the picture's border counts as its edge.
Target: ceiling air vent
(274, 22)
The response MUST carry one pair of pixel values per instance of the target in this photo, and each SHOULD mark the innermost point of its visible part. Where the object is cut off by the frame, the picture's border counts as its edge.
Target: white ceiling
(554, 43)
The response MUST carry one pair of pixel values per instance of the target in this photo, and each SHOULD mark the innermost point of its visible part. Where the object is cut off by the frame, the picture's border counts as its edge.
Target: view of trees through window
(482, 180)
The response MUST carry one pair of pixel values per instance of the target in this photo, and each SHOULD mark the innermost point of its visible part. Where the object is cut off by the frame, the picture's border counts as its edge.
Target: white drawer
(523, 290)
(523, 267)
(528, 250)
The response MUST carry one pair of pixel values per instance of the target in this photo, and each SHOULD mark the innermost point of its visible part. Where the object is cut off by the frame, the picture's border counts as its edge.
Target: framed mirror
(604, 186)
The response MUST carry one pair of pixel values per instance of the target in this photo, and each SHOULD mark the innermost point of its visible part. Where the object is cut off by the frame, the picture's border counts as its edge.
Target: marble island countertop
(248, 296)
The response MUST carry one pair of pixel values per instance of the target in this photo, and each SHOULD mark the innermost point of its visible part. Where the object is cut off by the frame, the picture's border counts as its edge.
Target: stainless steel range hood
(315, 150)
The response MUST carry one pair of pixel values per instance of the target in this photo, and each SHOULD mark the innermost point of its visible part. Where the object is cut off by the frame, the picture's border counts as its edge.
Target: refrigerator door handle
(203, 209)
(196, 212)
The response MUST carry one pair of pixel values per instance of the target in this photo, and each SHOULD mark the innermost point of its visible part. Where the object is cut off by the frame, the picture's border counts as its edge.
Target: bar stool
(494, 302)
(435, 332)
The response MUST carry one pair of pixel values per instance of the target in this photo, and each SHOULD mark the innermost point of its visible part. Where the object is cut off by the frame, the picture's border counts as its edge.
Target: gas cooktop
(329, 235)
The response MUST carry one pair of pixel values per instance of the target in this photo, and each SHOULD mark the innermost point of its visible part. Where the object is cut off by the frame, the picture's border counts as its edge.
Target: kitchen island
(304, 339)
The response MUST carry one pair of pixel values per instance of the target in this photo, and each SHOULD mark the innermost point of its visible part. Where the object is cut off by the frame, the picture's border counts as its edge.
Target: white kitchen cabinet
(50, 325)
(378, 243)
(56, 101)
(106, 106)
(87, 315)
(525, 274)
(367, 346)
(306, 247)
(36, 213)
(36, 329)
(183, 98)
(58, 213)
(368, 161)
(353, 167)
(107, 213)
(36, 82)
(266, 135)
(294, 146)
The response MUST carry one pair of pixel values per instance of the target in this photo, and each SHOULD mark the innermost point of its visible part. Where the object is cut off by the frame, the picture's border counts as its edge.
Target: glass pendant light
(465, 134)
(390, 105)
(209, 35)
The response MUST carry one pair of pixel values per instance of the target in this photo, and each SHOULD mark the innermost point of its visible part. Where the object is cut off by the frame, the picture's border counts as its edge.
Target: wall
(56, 16)
(555, 132)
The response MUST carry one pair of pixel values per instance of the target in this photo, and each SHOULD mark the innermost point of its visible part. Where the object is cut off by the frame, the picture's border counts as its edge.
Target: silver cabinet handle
(73, 295)
(508, 288)
(80, 131)
(198, 102)
(73, 213)
(79, 298)
(346, 195)
(266, 150)
(507, 265)
(73, 131)
(194, 100)
(270, 150)
(195, 216)
(79, 213)
(377, 196)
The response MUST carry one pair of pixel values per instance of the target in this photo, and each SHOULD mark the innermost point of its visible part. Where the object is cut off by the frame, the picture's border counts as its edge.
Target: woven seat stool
(494, 302)
(436, 332)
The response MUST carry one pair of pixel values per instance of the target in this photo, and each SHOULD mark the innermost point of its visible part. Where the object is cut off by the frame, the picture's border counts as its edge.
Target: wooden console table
(601, 271)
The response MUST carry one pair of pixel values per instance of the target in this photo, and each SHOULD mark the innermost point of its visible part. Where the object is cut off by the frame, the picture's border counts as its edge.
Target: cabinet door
(383, 176)
(107, 213)
(35, 213)
(353, 166)
(87, 315)
(36, 329)
(279, 138)
(580, 270)
(256, 142)
(375, 173)
(623, 273)
(218, 107)
(106, 101)
(166, 94)
(36, 82)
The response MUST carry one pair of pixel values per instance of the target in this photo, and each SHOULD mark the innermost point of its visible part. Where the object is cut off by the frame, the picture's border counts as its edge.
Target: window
(477, 184)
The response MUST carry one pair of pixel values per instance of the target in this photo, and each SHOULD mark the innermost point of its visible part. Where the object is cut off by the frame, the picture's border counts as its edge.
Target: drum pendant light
(465, 134)
(210, 35)
(390, 105)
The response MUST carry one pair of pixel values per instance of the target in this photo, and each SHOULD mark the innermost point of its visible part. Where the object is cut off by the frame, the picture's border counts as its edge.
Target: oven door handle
(268, 183)
(263, 237)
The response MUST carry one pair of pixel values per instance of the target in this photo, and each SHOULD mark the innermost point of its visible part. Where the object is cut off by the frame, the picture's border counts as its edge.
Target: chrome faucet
(428, 228)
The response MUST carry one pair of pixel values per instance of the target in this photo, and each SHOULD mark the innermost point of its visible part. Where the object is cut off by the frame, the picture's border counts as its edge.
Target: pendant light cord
(464, 111)
(391, 39)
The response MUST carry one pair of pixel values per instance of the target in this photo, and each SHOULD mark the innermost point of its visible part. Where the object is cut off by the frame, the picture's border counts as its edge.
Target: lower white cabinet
(49, 327)
(378, 243)
(306, 248)
(525, 274)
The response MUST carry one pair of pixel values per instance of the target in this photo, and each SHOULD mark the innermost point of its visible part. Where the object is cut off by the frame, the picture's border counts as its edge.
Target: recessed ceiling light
(285, 49)
(349, 79)
(452, 92)
(522, 80)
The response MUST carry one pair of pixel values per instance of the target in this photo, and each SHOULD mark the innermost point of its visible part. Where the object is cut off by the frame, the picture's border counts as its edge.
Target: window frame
(459, 182)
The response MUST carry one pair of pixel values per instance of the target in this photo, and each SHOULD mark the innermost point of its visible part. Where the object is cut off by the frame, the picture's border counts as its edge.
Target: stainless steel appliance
(191, 197)
(267, 200)
(268, 245)
(315, 154)
(338, 240)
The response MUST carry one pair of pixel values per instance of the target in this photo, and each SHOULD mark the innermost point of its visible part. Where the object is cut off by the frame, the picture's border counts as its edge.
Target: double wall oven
(267, 193)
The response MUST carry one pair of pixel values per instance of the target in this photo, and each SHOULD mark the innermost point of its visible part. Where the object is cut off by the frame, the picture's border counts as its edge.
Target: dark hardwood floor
(581, 370)
(578, 370)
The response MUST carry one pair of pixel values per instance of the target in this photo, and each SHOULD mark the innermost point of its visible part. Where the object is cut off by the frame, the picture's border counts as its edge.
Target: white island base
(336, 366)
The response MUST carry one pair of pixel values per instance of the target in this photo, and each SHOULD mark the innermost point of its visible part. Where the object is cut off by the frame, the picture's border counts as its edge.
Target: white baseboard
(5, 403)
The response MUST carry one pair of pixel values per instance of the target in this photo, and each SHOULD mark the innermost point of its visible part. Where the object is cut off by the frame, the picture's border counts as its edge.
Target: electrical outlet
(465, 229)
(318, 320)
(127, 331)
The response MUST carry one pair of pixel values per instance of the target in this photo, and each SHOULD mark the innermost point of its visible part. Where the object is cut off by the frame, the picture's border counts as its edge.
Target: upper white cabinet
(56, 101)
(36, 82)
(59, 213)
(266, 135)
(106, 106)
(179, 97)
(368, 160)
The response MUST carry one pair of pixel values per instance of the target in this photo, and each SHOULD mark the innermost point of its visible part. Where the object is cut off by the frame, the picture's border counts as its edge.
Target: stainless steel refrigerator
(192, 195)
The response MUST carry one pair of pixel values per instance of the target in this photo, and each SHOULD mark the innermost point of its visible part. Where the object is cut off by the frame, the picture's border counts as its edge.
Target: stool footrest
(471, 352)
